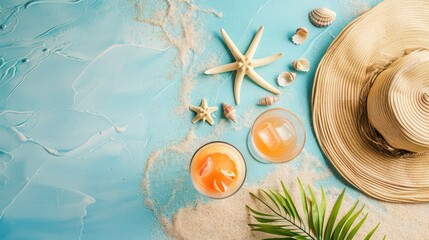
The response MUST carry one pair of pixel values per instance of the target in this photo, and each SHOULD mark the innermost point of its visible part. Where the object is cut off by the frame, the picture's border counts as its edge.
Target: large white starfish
(245, 64)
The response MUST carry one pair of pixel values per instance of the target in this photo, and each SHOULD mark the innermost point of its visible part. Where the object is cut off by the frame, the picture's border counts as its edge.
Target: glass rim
(243, 160)
(300, 123)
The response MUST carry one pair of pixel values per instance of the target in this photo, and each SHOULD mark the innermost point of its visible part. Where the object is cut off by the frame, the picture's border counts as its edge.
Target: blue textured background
(89, 90)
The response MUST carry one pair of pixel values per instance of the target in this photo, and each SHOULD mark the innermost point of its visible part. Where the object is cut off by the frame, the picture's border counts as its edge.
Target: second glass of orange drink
(217, 170)
(277, 136)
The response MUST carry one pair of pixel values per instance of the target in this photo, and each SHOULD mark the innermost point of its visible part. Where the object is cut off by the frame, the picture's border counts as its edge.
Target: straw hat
(371, 102)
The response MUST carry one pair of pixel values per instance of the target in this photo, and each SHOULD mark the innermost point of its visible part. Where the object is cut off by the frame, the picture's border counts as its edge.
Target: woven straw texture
(398, 102)
(398, 107)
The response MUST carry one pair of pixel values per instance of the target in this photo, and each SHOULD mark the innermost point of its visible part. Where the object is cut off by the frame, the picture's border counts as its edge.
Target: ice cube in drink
(269, 136)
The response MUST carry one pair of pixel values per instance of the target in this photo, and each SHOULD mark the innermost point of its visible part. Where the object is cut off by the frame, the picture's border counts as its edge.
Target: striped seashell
(301, 65)
(229, 112)
(285, 78)
(322, 17)
(268, 100)
(300, 36)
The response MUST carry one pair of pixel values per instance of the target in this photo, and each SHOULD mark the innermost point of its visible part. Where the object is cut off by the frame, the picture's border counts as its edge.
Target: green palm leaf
(315, 215)
(372, 232)
(291, 205)
(333, 216)
(356, 228)
(284, 220)
(349, 223)
(322, 212)
(304, 202)
(343, 221)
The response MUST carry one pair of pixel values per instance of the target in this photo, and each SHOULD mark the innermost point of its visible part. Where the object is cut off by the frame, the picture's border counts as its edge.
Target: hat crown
(398, 102)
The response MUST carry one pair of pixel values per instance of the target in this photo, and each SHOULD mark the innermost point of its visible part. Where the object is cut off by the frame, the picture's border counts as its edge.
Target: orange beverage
(277, 135)
(217, 170)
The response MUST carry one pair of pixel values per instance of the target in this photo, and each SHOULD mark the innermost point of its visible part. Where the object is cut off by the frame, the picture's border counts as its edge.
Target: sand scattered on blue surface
(228, 218)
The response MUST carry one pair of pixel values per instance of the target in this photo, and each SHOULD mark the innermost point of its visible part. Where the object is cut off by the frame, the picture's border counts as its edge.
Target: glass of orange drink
(217, 170)
(277, 136)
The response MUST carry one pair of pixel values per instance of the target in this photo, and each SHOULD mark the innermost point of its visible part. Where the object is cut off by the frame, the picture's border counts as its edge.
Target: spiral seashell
(301, 65)
(300, 36)
(285, 78)
(229, 112)
(322, 17)
(268, 100)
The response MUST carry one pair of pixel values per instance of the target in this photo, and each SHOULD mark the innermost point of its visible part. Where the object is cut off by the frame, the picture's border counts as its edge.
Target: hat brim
(376, 37)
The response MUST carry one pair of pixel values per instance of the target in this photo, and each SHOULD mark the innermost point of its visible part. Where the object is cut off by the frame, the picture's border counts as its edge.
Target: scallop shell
(301, 65)
(322, 17)
(229, 112)
(285, 78)
(300, 36)
(268, 100)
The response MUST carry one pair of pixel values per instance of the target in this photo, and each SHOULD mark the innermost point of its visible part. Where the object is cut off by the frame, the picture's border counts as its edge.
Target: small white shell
(300, 36)
(268, 100)
(301, 65)
(285, 78)
(229, 112)
(322, 17)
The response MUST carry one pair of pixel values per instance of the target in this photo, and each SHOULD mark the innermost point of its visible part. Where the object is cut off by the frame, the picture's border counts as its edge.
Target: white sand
(354, 8)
